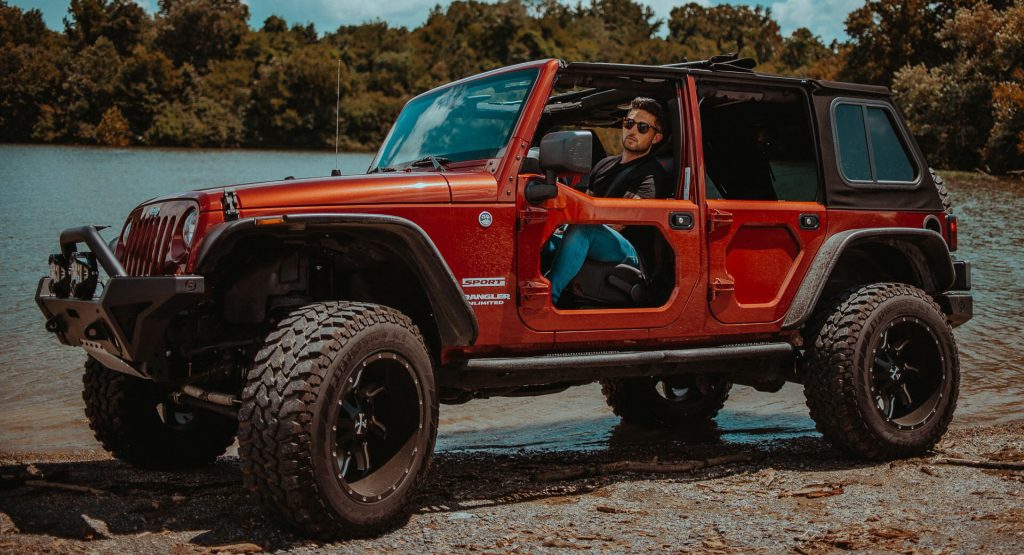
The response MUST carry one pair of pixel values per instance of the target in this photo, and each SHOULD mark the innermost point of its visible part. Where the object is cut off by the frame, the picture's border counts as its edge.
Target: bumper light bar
(84, 275)
(59, 276)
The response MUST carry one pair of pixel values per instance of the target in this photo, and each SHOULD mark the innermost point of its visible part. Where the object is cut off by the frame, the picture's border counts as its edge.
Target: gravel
(796, 495)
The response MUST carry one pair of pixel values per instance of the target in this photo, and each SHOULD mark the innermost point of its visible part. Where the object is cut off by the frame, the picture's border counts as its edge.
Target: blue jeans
(580, 242)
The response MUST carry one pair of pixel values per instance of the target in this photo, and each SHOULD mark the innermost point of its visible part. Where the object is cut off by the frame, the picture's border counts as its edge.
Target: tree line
(196, 73)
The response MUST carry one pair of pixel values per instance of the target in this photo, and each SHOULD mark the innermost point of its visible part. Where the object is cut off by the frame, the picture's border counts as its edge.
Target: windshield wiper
(437, 162)
(380, 169)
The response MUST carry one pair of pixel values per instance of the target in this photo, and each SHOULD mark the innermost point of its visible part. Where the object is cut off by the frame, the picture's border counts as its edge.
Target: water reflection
(579, 420)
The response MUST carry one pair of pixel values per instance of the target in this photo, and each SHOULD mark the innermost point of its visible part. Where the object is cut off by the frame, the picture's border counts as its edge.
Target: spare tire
(940, 186)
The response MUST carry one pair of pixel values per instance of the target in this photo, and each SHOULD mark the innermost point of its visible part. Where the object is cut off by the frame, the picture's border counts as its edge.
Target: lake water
(47, 188)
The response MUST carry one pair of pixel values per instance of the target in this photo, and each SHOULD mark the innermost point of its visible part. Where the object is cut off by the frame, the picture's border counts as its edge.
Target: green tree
(802, 50)
(122, 22)
(198, 31)
(293, 100)
(89, 85)
(705, 32)
(966, 111)
(148, 80)
(30, 56)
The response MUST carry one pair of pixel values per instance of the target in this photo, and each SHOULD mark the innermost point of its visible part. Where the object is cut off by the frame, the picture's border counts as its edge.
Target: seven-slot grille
(154, 245)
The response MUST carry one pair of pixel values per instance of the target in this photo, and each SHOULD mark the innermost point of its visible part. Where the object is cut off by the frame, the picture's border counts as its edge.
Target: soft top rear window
(870, 145)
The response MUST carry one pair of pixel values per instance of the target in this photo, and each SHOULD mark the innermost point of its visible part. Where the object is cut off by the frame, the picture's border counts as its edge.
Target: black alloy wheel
(375, 432)
(905, 381)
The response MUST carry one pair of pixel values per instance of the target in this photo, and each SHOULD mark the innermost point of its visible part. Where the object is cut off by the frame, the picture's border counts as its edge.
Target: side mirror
(567, 152)
(560, 152)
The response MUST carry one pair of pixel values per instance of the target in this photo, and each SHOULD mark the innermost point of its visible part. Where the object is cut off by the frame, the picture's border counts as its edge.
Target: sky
(823, 17)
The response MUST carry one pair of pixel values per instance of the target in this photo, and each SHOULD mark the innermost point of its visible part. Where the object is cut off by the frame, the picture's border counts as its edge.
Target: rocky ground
(790, 495)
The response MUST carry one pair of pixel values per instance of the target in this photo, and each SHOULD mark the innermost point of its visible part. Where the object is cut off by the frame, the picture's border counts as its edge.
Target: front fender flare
(456, 321)
(925, 250)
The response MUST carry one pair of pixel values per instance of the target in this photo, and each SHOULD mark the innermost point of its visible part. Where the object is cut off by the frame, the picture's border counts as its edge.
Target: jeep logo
(483, 282)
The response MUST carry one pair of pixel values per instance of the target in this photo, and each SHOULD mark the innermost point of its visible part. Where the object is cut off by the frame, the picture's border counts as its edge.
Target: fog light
(84, 275)
(58, 275)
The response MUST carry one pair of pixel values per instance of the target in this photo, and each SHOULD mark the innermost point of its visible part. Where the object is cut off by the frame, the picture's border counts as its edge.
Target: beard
(635, 148)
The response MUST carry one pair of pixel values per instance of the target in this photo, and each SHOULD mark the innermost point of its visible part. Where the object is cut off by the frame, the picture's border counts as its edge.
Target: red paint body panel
(472, 187)
(761, 255)
(383, 188)
(572, 206)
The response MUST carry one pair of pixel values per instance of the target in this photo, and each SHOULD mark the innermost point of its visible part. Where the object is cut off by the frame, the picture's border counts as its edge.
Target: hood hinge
(230, 205)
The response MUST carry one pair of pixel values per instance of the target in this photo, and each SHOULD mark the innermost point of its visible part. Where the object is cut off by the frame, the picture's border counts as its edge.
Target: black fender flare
(925, 250)
(456, 321)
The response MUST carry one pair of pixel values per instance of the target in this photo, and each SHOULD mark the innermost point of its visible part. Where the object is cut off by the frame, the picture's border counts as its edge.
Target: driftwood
(68, 487)
(998, 465)
(636, 466)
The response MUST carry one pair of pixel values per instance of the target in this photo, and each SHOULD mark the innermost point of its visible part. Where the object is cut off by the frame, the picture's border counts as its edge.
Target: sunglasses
(641, 126)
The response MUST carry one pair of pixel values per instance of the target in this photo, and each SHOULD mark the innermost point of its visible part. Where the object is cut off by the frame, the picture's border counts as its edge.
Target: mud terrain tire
(136, 423)
(940, 186)
(339, 418)
(680, 402)
(881, 372)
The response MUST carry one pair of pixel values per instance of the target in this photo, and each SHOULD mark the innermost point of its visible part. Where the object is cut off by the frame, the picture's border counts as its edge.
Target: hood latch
(230, 204)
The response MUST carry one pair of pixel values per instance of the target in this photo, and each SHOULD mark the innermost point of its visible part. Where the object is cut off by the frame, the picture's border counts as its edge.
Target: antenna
(337, 118)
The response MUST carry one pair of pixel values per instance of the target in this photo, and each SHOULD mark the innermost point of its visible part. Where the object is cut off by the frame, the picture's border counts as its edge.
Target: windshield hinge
(230, 204)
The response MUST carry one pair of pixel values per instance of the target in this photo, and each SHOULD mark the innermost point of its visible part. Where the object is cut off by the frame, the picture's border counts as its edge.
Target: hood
(384, 188)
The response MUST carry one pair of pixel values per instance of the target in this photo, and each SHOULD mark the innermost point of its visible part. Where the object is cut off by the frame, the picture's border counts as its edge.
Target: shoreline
(793, 495)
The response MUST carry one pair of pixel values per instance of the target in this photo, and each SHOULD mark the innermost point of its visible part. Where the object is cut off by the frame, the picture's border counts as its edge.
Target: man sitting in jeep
(635, 174)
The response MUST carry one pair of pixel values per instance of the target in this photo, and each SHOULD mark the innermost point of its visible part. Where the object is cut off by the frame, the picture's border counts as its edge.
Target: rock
(178, 498)
(558, 542)
(7, 525)
(95, 528)
(235, 548)
(461, 516)
(814, 491)
(33, 472)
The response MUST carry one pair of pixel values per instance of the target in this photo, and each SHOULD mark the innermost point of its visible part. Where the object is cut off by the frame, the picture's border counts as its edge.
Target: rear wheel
(881, 372)
(339, 418)
(137, 423)
(677, 401)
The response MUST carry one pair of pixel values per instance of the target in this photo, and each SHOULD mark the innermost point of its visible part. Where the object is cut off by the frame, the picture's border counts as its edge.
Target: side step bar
(548, 369)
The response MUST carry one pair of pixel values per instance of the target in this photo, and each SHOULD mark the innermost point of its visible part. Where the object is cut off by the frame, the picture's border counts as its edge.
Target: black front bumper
(125, 328)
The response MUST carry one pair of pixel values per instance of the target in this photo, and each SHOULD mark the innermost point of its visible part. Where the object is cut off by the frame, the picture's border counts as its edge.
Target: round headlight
(188, 229)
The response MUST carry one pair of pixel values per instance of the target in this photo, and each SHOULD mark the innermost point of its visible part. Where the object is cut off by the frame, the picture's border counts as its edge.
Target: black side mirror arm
(539, 191)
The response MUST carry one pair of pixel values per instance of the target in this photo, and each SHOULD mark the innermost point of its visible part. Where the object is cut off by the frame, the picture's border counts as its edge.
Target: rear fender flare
(925, 251)
(455, 319)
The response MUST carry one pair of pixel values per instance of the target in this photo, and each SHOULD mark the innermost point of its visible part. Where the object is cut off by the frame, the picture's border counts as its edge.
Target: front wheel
(137, 422)
(881, 372)
(339, 418)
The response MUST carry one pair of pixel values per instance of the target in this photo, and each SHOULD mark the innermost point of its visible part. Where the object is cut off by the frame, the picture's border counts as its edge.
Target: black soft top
(919, 195)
